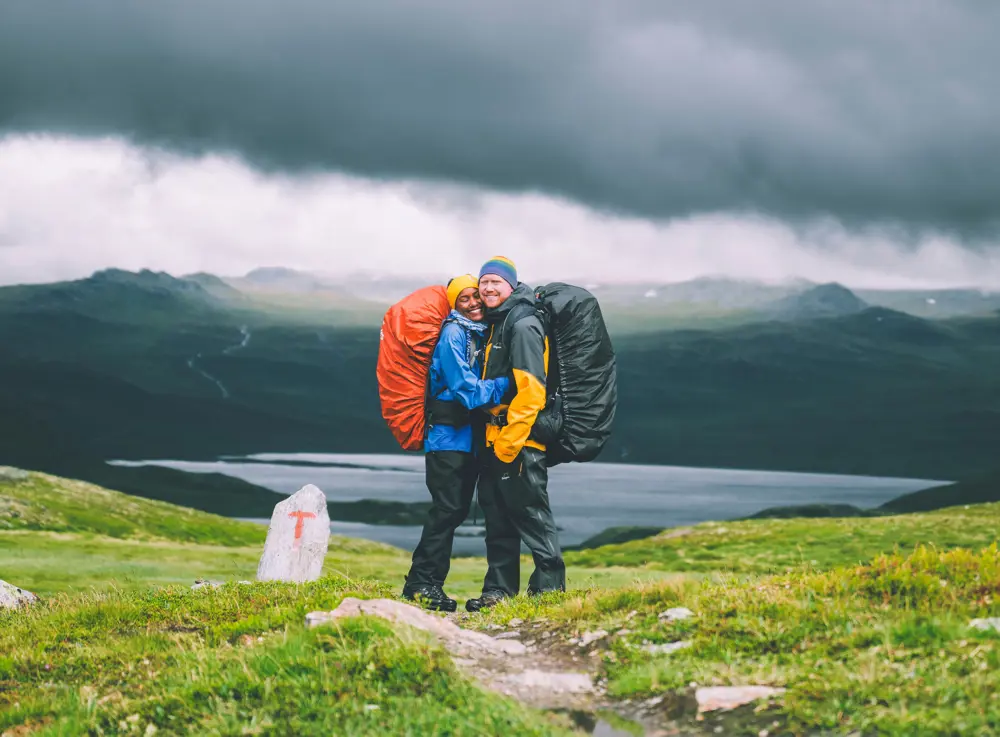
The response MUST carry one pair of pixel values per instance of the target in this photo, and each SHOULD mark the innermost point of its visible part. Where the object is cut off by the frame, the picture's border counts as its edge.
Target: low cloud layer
(71, 206)
(868, 114)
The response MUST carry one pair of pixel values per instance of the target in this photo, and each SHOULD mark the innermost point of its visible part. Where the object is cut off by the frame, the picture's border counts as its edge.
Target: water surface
(586, 498)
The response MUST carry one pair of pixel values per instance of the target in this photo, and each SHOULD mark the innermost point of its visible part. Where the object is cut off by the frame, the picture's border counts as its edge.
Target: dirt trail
(527, 672)
(538, 667)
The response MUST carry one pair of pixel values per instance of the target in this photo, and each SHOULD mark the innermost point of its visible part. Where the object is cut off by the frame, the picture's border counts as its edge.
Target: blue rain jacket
(454, 377)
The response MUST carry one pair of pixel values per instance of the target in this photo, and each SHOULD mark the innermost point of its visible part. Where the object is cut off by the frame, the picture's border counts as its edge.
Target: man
(513, 481)
(455, 388)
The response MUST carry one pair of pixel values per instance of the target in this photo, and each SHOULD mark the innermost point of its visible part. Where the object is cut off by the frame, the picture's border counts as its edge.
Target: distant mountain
(307, 296)
(384, 289)
(882, 324)
(110, 281)
(935, 303)
(123, 295)
(976, 490)
(276, 278)
(145, 365)
(214, 285)
(704, 295)
(715, 292)
(877, 392)
(824, 300)
(132, 364)
(698, 298)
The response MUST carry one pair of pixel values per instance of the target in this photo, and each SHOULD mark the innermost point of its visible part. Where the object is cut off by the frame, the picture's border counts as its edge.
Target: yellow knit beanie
(458, 285)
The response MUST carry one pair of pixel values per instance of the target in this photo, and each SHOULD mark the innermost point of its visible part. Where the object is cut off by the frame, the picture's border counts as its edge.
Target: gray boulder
(11, 597)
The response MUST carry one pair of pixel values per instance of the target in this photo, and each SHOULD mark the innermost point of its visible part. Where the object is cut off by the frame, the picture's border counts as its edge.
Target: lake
(586, 498)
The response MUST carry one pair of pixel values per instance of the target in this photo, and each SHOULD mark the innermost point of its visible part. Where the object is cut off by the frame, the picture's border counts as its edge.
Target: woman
(455, 389)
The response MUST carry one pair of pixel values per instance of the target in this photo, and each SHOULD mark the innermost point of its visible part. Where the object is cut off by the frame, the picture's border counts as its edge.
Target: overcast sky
(849, 140)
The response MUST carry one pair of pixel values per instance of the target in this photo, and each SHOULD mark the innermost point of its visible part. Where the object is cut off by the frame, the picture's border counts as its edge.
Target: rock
(297, 538)
(991, 623)
(207, 585)
(667, 648)
(507, 636)
(725, 698)
(9, 473)
(564, 682)
(516, 622)
(454, 638)
(676, 614)
(11, 597)
(591, 637)
(203, 584)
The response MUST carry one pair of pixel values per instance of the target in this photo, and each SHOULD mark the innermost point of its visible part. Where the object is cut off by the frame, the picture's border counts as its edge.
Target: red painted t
(298, 521)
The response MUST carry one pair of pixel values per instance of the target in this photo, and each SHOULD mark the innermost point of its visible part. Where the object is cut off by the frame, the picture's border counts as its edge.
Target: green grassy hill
(40, 502)
(771, 546)
(864, 622)
(59, 534)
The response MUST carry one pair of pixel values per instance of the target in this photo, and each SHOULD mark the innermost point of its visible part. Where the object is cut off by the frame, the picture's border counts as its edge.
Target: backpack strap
(522, 311)
(518, 313)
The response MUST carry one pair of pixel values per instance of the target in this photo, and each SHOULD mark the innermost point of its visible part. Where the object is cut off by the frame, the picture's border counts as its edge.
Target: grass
(235, 660)
(51, 563)
(778, 545)
(864, 622)
(43, 502)
(851, 658)
(881, 648)
(59, 535)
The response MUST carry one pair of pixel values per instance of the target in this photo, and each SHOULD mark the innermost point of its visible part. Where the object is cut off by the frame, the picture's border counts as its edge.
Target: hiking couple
(487, 386)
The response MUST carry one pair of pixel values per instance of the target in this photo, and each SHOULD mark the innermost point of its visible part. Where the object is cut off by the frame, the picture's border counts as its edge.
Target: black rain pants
(451, 480)
(515, 502)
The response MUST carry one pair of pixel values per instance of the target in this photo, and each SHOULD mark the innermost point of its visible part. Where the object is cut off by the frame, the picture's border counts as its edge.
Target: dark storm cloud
(869, 111)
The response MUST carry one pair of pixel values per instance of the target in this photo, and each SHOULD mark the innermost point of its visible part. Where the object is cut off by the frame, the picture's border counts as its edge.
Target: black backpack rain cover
(582, 370)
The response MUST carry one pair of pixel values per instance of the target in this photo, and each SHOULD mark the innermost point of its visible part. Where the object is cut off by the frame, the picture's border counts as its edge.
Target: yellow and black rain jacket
(519, 348)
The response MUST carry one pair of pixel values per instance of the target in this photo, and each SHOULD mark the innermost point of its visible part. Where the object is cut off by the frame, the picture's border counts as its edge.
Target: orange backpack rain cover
(410, 331)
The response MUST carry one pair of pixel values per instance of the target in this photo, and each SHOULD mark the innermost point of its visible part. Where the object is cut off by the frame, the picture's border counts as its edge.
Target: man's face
(494, 290)
(470, 305)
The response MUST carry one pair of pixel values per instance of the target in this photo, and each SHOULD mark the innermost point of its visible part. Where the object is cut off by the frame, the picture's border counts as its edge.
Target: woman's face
(470, 305)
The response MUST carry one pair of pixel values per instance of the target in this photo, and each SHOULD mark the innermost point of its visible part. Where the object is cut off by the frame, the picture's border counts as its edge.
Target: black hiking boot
(485, 601)
(430, 596)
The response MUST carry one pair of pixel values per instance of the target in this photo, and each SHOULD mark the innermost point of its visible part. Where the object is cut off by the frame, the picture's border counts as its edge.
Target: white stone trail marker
(297, 538)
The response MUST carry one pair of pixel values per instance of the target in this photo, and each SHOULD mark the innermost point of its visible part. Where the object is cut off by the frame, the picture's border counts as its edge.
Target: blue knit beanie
(502, 267)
